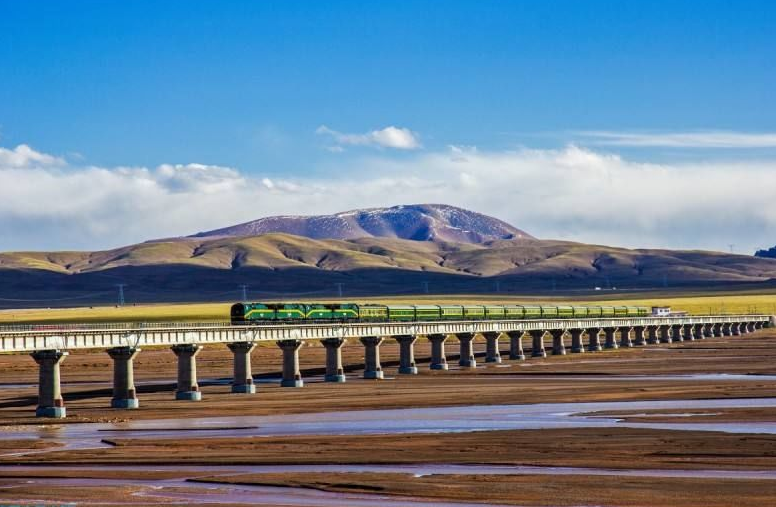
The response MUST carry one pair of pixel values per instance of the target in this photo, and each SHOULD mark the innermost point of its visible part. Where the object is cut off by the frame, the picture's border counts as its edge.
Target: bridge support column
(438, 357)
(735, 329)
(537, 348)
(717, 330)
(188, 389)
(677, 333)
(665, 334)
(750, 327)
(638, 335)
(466, 359)
(577, 347)
(593, 340)
(727, 329)
(688, 332)
(492, 353)
(292, 377)
(625, 339)
(372, 368)
(334, 370)
(50, 402)
(242, 380)
(652, 335)
(699, 331)
(516, 345)
(610, 342)
(407, 354)
(124, 395)
(758, 326)
(708, 330)
(558, 347)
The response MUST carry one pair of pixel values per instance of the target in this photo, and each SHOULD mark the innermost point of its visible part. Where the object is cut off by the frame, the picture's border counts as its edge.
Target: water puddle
(392, 421)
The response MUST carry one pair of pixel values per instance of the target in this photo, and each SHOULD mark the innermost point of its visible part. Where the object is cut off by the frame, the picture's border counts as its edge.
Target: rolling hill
(284, 265)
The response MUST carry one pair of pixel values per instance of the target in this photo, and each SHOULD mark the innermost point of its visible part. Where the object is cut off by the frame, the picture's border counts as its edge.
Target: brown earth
(539, 490)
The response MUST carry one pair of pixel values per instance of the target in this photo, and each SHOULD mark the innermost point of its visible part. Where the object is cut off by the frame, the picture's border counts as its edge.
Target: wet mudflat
(706, 434)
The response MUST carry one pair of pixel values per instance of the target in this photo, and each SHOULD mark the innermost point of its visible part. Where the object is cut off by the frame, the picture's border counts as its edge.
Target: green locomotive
(258, 313)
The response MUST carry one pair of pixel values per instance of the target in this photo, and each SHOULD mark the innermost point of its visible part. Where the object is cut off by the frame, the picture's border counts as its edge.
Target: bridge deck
(28, 338)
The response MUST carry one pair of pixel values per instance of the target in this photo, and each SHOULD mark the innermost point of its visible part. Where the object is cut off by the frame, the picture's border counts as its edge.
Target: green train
(258, 313)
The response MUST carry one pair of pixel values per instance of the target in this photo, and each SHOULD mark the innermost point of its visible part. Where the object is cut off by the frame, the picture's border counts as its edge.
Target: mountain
(292, 267)
(419, 222)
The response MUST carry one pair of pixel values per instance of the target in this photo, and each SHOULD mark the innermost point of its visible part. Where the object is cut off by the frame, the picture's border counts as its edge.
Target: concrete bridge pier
(188, 389)
(537, 348)
(466, 359)
(758, 326)
(124, 395)
(577, 347)
(243, 374)
(688, 332)
(750, 328)
(50, 402)
(638, 336)
(677, 333)
(717, 330)
(516, 345)
(625, 339)
(593, 340)
(292, 377)
(334, 370)
(372, 368)
(609, 333)
(727, 329)
(652, 335)
(665, 334)
(407, 354)
(438, 357)
(735, 329)
(492, 353)
(558, 347)
(699, 331)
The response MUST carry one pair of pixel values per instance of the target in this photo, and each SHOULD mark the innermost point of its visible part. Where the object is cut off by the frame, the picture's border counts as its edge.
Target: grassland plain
(697, 303)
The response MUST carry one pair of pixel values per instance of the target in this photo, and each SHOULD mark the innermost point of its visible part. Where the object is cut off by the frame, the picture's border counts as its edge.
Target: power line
(121, 293)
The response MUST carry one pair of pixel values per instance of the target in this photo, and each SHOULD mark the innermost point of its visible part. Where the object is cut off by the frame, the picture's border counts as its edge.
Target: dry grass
(209, 312)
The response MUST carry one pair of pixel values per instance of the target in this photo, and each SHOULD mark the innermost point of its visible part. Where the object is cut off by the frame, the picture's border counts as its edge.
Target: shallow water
(183, 490)
(416, 420)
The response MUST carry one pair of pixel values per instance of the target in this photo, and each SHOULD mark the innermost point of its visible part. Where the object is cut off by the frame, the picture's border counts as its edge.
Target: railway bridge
(50, 344)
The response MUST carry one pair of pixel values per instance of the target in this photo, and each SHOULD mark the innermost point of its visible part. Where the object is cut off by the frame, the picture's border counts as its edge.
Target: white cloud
(24, 156)
(571, 193)
(389, 137)
(694, 139)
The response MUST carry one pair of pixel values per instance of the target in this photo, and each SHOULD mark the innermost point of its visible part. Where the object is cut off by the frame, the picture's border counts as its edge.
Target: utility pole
(731, 246)
(425, 287)
(498, 286)
(244, 292)
(665, 280)
(121, 293)
(339, 288)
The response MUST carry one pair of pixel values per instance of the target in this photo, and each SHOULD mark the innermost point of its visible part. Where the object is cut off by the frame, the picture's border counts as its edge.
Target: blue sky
(302, 91)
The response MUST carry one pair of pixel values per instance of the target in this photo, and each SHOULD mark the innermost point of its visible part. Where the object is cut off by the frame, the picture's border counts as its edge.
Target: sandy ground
(572, 378)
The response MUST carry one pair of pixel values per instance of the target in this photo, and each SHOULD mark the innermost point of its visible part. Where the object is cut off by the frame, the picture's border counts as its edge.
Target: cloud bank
(570, 193)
